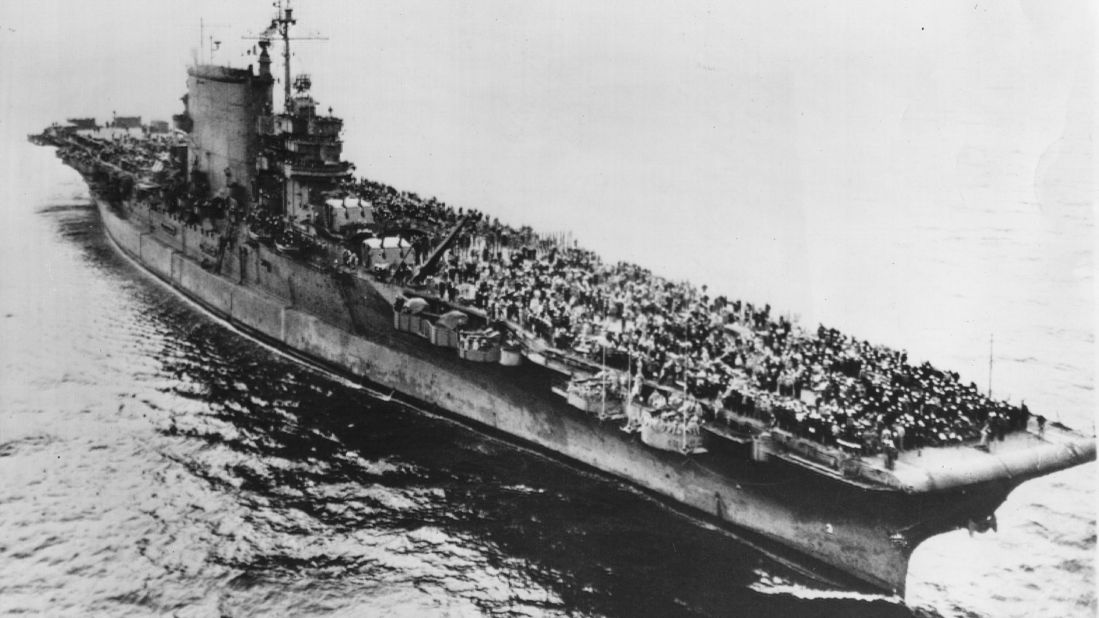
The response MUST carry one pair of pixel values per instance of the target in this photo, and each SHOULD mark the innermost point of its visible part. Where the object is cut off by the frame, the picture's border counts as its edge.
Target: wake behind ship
(840, 450)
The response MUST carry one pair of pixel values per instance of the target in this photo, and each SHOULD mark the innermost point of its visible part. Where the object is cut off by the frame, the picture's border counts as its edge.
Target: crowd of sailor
(264, 225)
(133, 154)
(178, 196)
(126, 157)
(727, 355)
(731, 356)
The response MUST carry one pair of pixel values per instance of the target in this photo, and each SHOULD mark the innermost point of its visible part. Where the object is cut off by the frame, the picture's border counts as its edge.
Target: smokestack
(264, 59)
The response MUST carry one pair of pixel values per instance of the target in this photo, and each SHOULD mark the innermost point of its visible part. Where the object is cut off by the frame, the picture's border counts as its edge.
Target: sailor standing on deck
(889, 448)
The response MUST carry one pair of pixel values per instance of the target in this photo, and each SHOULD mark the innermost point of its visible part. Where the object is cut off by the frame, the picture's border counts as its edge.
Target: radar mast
(280, 26)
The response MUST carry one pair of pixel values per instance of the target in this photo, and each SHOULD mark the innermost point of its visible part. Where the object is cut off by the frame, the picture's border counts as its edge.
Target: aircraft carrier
(844, 464)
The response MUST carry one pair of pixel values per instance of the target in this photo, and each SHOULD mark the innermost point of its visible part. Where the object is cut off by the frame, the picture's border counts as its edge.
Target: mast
(285, 20)
(280, 26)
(603, 376)
(633, 416)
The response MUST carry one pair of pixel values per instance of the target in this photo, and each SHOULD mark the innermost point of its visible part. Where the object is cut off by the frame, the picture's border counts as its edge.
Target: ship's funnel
(264, 59)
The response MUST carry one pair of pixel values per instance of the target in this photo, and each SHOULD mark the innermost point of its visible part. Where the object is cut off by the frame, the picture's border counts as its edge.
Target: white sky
(757, 146)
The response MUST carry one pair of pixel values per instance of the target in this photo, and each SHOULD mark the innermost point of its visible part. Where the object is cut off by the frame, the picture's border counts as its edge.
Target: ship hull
(839, 533)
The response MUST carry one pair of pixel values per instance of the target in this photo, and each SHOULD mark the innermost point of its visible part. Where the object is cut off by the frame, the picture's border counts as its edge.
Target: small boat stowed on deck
(445, 327)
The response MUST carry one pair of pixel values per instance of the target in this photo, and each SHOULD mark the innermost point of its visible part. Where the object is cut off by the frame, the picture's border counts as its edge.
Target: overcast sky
(756, 146)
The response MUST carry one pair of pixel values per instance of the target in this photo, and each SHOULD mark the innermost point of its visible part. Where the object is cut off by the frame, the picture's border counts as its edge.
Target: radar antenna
(280, 26)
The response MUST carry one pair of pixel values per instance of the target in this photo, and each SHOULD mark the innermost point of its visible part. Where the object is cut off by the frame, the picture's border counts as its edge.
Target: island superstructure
(837, 449)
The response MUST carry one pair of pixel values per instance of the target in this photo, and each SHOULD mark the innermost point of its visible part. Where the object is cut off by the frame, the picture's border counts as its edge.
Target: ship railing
(322, 168)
